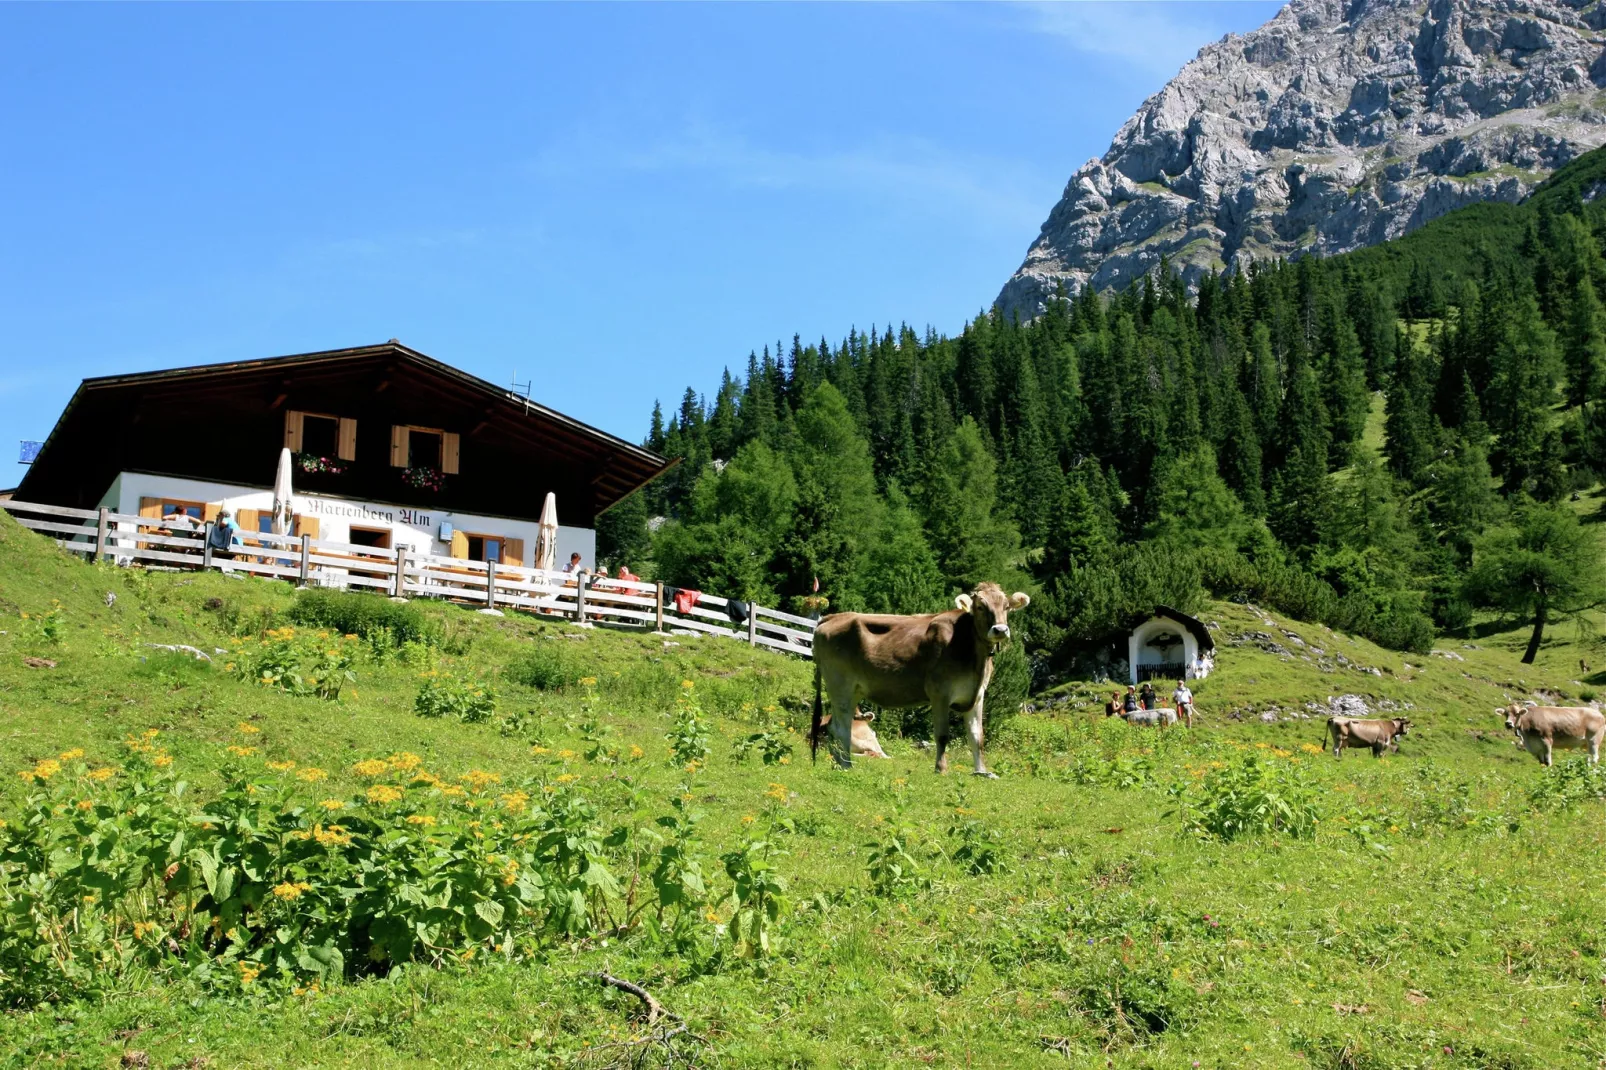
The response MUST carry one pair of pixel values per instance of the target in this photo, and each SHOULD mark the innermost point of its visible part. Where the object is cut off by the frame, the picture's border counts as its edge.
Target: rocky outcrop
(1334, 126)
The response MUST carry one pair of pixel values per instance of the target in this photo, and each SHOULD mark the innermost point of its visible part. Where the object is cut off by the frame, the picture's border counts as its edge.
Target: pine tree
(973, 542)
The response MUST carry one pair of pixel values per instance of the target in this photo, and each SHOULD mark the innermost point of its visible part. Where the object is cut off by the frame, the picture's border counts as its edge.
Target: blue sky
(613, 200)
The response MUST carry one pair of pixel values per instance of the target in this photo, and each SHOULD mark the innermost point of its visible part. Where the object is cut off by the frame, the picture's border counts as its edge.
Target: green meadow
(284, 856)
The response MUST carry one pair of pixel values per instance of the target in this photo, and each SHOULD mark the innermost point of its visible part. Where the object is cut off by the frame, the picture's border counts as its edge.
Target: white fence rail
(102, 535)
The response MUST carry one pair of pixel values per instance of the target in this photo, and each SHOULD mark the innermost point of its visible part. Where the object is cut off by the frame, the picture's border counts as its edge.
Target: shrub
(113, 869)
(543, 666)
(772, 746)
(367, 615)
(1250, 796)
(1568, 783)
(445, 695)
(296, 662)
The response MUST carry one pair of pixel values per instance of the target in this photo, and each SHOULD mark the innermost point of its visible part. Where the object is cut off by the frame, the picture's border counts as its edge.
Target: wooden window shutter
(347, 450)
(292, 430)
(306, 525)
(398, 446)
(151, 507)
(460, 545)
(209, 512)
(513, 552)
(450, 445)
(249, 520)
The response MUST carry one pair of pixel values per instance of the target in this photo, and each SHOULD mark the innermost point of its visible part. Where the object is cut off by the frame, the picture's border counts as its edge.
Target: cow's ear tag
(962, 603)
(1019, 600)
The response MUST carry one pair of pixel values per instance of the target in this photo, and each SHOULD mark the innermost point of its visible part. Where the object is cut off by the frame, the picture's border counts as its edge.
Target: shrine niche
(1170, 645)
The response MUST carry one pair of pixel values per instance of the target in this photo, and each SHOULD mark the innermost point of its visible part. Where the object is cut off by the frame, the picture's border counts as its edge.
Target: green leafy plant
(543, 666)
(689, 739)
(365, 614)
(297, 662)
(977, 846)
(444, 695)
(772, 747)
(1250, 796)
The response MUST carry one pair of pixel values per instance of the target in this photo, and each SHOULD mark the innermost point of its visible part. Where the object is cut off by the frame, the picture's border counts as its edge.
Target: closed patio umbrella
(546, 543)
(282, 513)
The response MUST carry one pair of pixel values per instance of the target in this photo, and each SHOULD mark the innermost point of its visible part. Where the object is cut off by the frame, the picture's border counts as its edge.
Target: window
(495, 548)
(484, 548)
(320, 435)
(376, 537)
(265, 523)
(423, 449)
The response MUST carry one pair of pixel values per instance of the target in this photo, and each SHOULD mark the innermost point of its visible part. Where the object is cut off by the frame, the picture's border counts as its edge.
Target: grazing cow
(1159, 716)
(944, 660)
(1379, 735)
(865, 743)
(1541, 729)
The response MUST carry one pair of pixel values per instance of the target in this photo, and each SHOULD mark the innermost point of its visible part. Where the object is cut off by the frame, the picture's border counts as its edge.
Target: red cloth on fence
(684, 600)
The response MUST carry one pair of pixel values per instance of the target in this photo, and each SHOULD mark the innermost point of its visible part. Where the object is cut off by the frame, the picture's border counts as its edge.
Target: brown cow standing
(1541, 729)
(944, 660)
(1379, 735)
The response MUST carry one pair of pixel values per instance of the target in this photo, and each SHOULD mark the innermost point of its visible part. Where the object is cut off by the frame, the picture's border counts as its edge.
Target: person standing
(1182, 698)
(1148, 695)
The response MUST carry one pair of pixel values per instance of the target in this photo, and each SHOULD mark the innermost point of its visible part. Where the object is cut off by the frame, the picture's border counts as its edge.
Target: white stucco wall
(1190, 667)
(417, 529)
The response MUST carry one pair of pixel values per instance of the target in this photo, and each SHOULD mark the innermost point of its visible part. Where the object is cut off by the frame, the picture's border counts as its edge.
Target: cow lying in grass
(1541, 729)
(1379, 735)
(944, 660)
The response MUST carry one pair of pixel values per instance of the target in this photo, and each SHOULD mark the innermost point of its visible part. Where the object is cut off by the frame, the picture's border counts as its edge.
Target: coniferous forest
(1388, 442)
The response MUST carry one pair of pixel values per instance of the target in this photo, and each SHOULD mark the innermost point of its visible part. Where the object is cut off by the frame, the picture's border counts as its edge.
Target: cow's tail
(814, 726)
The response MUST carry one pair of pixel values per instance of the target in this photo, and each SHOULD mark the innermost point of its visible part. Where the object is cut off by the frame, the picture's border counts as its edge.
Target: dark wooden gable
(226, 423)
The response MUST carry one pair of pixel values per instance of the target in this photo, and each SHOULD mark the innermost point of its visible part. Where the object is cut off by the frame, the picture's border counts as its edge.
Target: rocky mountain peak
(1333, 126)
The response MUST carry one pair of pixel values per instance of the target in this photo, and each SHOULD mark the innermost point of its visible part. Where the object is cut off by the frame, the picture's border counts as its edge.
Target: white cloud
(914, 171)
(1157, 37)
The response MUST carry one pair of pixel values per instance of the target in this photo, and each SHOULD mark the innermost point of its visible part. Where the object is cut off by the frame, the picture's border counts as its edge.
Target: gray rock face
(1334, 126)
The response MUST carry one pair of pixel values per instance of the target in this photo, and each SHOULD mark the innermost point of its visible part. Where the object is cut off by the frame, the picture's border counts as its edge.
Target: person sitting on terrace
(574, 564)
(626, 574)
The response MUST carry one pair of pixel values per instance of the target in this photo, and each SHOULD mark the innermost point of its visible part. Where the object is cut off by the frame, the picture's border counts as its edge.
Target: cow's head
(989, 608)
(1401, 726)
(1512, 712)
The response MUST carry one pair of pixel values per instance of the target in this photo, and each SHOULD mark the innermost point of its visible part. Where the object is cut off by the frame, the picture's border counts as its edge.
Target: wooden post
(752, 623)
(580, 597)
(490, 584)
(206, 545)
(401, 572)
(658, 596)
(306, 558)
(101, 526)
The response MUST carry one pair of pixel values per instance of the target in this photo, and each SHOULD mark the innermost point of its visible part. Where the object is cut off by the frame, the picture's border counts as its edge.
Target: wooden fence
(102, 535)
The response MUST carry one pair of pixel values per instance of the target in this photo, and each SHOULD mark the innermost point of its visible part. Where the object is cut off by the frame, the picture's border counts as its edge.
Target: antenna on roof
(518, 389)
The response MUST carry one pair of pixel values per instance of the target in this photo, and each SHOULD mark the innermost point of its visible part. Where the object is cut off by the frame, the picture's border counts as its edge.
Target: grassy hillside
(1092, 907)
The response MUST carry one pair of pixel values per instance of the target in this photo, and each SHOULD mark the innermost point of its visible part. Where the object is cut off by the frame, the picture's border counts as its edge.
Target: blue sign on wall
(30, 450)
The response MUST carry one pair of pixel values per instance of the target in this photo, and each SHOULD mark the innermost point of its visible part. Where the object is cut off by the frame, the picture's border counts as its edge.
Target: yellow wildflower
(748, 819)
(249, 973)
(515, 801)
(636, 752)
(478, 779)
(105, 772)
(405, 762)
(777, 792)
(687, 684)
(452, 790)
(143, 929)
(371, 767)
(70, 755)
(333, 804)
(162, 761)
(333, 836)
(86, 804)
(312, 774)
(248, 728)
(566, 754)
(1310, 748)
(383, 793)
(784, 760)
(1262, 746)
(281, 767)
(423, 776)
(291, 891)
(567, 778)
(46, 768)
(421, 819)
(712, 917)
(539, 750)
(242, 752)
(152, 733)
(588, 681)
